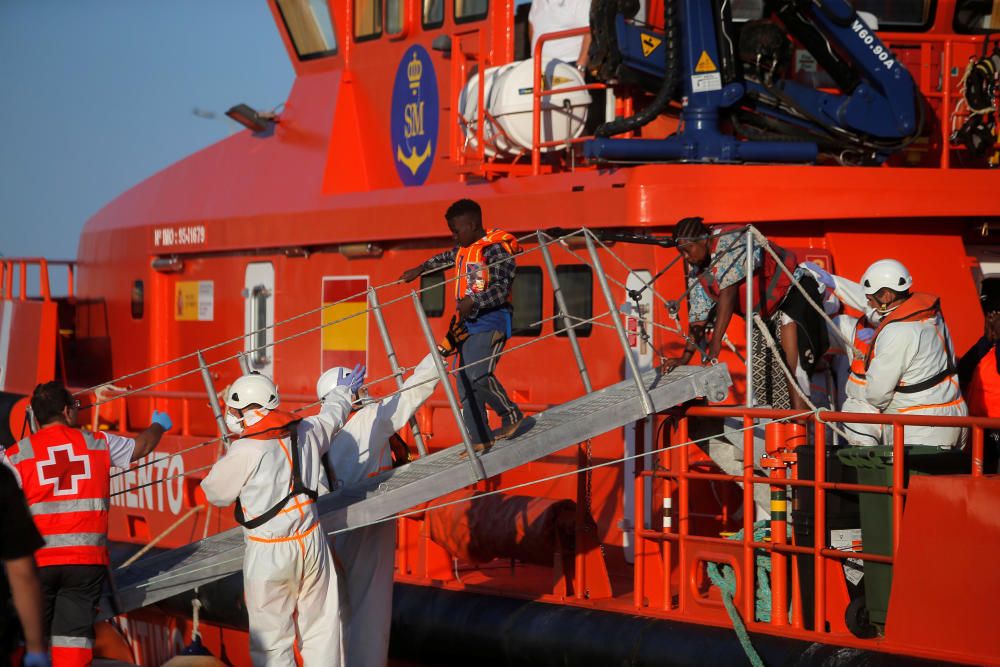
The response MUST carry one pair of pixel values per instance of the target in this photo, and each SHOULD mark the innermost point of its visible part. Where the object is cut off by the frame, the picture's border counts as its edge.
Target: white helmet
(886, 273)
(250, 389)
(330, 378)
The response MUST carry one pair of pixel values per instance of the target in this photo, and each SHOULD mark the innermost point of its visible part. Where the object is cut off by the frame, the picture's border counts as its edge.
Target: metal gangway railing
(438, 473)
(108, 392)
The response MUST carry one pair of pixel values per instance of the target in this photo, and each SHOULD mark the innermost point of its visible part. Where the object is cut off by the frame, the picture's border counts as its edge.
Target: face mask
(237, 424)
(875, 315)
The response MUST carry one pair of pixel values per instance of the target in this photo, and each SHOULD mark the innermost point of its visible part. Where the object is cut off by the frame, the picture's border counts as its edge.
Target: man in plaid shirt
(484, 264)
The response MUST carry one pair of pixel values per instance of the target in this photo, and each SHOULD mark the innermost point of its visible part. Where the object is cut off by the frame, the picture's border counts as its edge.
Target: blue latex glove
(163, 419)
(37, 660)
(354, 380)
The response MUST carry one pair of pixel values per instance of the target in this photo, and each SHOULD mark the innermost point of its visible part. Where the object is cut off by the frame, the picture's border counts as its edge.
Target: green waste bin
(874, 466)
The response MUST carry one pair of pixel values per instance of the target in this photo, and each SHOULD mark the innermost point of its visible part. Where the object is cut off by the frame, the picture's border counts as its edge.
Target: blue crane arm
(884, 103)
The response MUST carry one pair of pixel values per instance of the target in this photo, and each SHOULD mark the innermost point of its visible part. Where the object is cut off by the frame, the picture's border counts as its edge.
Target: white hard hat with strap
(886, 273)
(253, 389)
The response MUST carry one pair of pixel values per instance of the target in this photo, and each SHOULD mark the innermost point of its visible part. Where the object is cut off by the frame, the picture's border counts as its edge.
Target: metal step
(430, 477)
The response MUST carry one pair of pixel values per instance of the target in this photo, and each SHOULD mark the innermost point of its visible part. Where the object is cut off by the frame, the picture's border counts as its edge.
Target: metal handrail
(680, 539)
(537, 94)
(7, 265)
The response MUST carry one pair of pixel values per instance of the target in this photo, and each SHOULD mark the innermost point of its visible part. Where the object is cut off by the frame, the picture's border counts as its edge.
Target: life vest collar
(918, 307)
(275, 424)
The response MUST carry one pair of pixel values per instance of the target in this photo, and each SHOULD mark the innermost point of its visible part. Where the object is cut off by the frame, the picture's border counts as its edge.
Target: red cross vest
(770, 282)
(470, 265)
(66, 477)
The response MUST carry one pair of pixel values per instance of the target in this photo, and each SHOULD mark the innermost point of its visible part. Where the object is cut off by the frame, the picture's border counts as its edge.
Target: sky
(97, 95)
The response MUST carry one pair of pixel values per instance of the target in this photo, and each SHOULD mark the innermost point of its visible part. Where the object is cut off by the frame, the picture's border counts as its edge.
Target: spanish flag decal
(346, 342)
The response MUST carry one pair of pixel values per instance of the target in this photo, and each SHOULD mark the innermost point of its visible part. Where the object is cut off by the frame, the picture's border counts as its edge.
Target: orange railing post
(23, 279)
(684, 513)
(775, 434)
(819, 526)
(43, 279)
(668, 526)
(977, 451)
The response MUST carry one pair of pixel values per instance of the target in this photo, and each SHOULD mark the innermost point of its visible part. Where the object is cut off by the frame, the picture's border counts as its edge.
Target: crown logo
(413, 72)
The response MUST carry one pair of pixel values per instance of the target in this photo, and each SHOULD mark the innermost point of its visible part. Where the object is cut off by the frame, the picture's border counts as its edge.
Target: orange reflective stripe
(297, 506)
(856, 380)
(957, 401)
(272, 540)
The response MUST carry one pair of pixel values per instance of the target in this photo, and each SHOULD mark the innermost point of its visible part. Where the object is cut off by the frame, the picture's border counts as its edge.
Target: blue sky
(97, 95)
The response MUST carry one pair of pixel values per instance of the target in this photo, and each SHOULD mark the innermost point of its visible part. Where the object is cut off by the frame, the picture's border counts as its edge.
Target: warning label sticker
(649, 43)
(849, 539)
(704, 83)
(705, 64)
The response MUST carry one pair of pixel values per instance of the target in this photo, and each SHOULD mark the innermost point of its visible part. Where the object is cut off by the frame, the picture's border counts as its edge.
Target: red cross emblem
(66, 470)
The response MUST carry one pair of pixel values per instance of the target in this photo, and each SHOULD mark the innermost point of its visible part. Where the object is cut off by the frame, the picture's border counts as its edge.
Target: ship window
(310, 27)
(977, 16)
(577, 283)
(367, 19)
(527, 292)
(432, 293)
(899, 16)
(393, 17)
(433, 13)
(138, 300)
(470, 10)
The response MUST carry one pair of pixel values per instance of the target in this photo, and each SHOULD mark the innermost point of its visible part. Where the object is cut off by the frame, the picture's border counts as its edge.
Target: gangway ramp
(429, 477)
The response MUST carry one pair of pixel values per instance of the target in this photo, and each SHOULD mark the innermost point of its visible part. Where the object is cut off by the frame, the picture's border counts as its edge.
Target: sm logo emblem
(414, 116)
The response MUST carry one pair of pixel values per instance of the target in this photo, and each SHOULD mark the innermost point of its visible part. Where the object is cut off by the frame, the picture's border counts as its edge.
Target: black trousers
(71, 594)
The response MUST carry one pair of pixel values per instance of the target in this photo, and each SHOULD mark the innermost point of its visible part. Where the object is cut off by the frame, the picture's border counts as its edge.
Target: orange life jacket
(770, 282)
(919, 307)
(275, 424)
(983, 393)
(471, 267)
(66, 477)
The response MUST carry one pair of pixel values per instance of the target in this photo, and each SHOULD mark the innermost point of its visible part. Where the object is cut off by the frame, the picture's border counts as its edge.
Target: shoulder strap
(948, 371)
(298, 487)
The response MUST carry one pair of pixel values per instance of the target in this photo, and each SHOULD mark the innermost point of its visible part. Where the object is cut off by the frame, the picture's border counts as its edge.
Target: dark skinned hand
(411, 274)
(465, 307)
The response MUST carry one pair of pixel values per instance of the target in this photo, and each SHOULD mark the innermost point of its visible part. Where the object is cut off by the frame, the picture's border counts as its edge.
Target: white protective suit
(289, 577)
(905, 353)
(361, 450)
